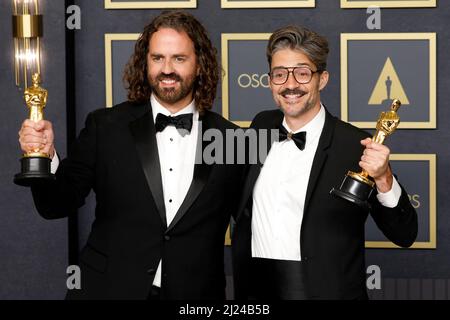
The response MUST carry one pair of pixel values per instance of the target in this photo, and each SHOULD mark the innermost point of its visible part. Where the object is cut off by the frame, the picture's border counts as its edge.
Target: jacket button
(151, 271)
(167, 238)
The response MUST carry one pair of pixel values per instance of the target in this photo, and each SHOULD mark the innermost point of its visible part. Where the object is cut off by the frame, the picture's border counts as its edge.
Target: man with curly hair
(161, 214)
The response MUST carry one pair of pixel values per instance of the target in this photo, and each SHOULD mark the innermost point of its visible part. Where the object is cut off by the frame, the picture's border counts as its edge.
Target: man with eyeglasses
(293, 239)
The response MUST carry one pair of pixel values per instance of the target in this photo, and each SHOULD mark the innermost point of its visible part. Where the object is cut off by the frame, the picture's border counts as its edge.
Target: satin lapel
(144, 134)
(250, 181)
(320, 156)
(201, 173)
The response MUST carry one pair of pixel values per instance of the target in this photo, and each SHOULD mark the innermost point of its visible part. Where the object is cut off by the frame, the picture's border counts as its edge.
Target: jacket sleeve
(398, 224)
(74, 178)
(251, 156)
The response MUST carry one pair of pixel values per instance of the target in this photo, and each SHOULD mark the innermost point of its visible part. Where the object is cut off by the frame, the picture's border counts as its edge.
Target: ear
(324, 76)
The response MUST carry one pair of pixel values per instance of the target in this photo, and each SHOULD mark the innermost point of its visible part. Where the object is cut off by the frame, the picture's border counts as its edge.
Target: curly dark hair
(205, 85)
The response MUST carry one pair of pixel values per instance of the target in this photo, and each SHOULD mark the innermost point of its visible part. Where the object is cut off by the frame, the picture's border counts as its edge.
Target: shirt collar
(312, 128)
(158, 108)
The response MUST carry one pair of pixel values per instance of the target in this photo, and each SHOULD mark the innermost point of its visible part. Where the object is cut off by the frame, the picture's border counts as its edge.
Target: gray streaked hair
(313, 45)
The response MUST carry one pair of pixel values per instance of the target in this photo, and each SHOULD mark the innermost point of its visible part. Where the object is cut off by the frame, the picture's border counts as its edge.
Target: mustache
(292, 91)
(170, 76)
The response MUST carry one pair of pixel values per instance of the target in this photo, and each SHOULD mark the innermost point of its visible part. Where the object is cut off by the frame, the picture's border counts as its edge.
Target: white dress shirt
(177, 159)
(280, 191)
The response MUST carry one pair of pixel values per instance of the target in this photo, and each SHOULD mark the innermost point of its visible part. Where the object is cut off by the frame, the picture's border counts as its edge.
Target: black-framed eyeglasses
(302, 75)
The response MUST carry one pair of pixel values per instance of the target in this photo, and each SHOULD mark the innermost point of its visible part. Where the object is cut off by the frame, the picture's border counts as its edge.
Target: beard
(172, 95)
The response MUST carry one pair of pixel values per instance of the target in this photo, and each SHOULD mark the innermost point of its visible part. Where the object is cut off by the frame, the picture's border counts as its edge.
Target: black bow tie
(299, 138)
(183, 121)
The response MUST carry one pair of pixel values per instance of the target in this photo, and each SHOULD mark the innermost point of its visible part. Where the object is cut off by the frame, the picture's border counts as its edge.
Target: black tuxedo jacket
(116, 155)
(332, 231)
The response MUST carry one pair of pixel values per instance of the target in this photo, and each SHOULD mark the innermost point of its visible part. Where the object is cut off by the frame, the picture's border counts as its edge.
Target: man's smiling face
(295, 99)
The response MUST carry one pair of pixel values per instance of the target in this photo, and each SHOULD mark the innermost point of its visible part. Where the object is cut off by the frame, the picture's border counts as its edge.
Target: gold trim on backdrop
(109, 38)
(345, 4)
(109, 4)
(227, 4)
(431, 37)
(225, 80)
(431, 244)
(243, 124)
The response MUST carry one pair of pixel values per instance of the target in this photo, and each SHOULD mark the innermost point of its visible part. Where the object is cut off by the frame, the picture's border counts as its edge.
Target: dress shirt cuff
(391, 198)
(54, 164)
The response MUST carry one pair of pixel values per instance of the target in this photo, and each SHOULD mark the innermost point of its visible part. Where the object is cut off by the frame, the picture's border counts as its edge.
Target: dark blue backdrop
(34, 252)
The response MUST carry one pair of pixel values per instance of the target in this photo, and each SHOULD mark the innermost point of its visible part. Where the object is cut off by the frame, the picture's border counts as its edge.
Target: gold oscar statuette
(35, 163)
(357, 187)
(36, 100)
